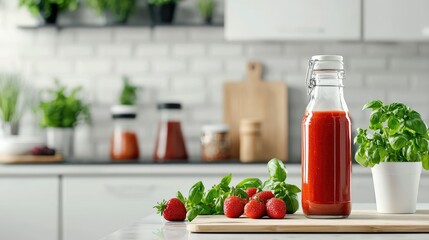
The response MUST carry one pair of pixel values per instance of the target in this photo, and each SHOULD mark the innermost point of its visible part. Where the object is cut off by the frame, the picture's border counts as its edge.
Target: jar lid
(123, 111)
(214, 128)
(169, 105)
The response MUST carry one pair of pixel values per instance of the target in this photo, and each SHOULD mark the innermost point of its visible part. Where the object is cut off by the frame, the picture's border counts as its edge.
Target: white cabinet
(293, 20)
(29, 208)
(96, 206)
(396, 20)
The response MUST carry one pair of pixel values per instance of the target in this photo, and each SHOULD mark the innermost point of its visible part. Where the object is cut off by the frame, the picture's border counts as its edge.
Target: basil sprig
(396, 133)
(210, 202)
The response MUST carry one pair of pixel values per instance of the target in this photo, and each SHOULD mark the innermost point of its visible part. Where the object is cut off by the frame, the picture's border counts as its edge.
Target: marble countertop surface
(155, 228)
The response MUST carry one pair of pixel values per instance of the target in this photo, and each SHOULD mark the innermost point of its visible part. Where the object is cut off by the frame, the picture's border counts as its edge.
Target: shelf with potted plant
(116, 13)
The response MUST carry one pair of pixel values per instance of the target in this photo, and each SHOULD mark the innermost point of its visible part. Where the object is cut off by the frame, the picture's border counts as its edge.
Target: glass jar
(124, 144)
(326, 141)
(170, 144)
(215, 142)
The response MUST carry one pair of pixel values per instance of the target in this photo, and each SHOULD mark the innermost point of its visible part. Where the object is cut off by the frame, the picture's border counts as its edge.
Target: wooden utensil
(358, 221)
(30, 159)
(257, 99)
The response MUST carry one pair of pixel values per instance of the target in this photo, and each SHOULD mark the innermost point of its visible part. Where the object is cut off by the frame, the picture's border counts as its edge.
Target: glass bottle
(326, 141)
(124, 144)
(170, 144)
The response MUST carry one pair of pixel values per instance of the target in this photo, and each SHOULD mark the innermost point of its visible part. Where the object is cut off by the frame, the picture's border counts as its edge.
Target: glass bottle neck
(327, 92)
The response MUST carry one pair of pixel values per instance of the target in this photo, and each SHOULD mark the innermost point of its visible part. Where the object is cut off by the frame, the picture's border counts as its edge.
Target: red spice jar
(170, 144)
(124, 144)
(326, 142)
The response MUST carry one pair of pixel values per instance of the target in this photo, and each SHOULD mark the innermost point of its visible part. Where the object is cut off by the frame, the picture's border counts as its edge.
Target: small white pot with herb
(59, 115)
(396, 147)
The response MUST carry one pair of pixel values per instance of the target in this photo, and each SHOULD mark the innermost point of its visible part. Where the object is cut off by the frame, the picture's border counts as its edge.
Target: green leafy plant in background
(210, 202)
(120, 10)
(63, 110)
(11, 88)
(44, 8)
(206, 9)
(396, 133)
(161, 2)
(129, 93)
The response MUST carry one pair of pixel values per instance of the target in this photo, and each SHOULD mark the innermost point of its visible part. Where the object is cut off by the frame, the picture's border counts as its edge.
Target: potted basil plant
(115, 11)
(60, 114)
(127, 99)
(49, 10)
(395, 147)
(162, 11)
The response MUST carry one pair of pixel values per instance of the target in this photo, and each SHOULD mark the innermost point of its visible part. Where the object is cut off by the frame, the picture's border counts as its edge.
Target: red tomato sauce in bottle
(170, 144)
(124, 146)
(326, 165)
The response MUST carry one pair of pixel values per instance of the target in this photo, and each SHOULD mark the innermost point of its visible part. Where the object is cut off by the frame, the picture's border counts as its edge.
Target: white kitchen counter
(150, 169)
(153, 227)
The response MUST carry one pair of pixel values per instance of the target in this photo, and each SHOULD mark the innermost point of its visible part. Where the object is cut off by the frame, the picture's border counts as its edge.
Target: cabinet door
(96, 206)
(293, 20)
(396, 20)
(29, 208)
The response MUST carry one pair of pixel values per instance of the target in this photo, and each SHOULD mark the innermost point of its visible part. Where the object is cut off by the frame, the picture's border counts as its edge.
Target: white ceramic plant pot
(62, 140)
(396, 186)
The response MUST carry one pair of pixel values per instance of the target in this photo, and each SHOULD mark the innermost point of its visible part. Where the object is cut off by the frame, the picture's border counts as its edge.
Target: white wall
(189, 64)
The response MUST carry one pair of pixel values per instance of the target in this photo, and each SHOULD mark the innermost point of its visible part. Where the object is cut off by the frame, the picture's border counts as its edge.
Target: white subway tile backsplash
(190, 65)
(131, 35)
(93, 35)
(152, 49)
(126, 66)
(264, 49)
(75, 50)
(94, 66)
(188, 49)
(168, 66)
(113, 50)
(206, 66)
(225, 49)
(366, 63)
(402, 63)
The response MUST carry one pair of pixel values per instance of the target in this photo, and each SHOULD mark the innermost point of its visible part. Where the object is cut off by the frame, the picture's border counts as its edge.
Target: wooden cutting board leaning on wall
(258, 99)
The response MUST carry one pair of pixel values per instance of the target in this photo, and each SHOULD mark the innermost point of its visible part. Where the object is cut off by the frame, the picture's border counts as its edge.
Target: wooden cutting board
(262, 100)
(358, 221)
(30, 159)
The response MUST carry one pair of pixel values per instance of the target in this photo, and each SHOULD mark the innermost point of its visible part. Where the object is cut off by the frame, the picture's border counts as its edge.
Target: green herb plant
(129, 93)
(210, 202)
(63, 110)
(206, 9)
(11, 91)
(44, 7)
(396, 133)
(120, 10)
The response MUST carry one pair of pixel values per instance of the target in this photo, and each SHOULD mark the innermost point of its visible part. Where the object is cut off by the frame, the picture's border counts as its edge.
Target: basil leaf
(398, 142)
(196, 193)
(180, 196)
(416, 125)
(276, 170)
(374, 104)
(226, 180)
(362, 161)
(292, 203)
(211, 195)
(425, 162)
(374, 119)
(393, 124)
(192, 214)
(249, 183)
(292, 188)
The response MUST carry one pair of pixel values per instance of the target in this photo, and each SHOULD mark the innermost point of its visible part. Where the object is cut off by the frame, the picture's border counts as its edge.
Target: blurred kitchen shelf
(142, 25)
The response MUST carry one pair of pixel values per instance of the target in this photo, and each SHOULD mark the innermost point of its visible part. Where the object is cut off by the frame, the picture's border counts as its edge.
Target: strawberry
(251, 191)
(276, 208)
(263, 196)
(173, 210)
(254, 209)
(233, 207)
